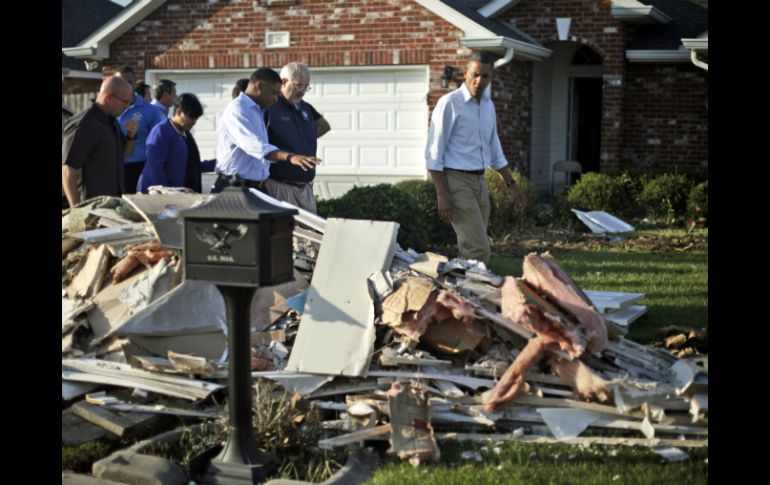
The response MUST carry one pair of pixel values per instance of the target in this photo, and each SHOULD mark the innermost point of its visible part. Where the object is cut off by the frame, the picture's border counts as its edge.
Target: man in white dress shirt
(462, 143)
(243, 149)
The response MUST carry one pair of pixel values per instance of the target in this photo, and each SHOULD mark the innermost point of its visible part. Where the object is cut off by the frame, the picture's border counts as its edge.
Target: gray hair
(290, 70)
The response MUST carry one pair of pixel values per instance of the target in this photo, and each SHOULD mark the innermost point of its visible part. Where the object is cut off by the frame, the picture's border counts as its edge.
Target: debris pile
(395, 345)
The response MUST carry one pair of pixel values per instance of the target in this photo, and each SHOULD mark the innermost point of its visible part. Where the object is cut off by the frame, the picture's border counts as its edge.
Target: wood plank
(71, 390)
(471, 382)
(581, 440)
(75, 430)
(376, 433)
(99, 416)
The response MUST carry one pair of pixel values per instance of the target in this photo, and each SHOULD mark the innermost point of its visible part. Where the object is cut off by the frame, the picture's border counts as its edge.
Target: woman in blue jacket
(173, 159)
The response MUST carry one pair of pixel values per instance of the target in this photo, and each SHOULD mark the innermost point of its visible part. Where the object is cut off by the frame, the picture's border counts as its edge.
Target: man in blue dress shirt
(243, 150)
(462, 143)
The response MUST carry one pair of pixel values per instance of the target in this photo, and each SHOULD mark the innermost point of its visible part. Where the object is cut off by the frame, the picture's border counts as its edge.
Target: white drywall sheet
(336, 333)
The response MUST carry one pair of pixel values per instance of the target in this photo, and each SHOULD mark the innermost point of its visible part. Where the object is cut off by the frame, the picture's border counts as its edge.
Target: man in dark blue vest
(295, 126)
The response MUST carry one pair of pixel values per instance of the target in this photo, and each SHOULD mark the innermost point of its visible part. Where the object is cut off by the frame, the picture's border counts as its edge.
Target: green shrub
(505, 216)
(424, 193)
(557, 214)
(600, 192)
(698, 204)
(382, 202)
(665, 197)
(632, 184)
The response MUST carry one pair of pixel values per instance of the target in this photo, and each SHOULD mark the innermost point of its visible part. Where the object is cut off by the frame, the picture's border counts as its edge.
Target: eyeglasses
(303, 87)
(125, 101)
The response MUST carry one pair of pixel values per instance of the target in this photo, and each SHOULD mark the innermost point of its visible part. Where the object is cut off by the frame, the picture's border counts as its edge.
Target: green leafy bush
(424, 194)
(665, 197)
(600, 192)
(698, 204)
(382, 202)
(505, 215)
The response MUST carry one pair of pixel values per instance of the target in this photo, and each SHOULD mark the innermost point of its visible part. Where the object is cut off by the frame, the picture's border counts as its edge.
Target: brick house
(614, 84)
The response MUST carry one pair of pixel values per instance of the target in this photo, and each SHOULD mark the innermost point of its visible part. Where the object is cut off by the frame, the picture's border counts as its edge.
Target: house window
(585, 56)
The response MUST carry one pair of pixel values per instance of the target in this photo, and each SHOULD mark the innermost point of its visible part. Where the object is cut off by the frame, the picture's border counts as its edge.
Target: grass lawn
(676, 287)
(519, 463)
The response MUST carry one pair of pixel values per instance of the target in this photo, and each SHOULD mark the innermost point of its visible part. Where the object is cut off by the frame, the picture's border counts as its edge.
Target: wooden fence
(77, 101)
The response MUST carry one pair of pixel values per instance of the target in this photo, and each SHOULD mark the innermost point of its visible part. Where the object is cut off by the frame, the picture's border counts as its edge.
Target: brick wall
(512, 95)
(666, 121)
(189, 34)
(592, 24)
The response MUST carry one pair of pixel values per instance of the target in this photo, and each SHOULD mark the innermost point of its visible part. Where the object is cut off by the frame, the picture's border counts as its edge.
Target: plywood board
(336, 333)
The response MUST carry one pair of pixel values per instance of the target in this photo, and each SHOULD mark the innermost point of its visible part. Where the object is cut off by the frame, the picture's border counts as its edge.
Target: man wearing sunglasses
(93, 145)
(294, 125)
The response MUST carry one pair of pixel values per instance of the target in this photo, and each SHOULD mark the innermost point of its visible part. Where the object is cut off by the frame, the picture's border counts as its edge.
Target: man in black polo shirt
(294, 125)
(93, 145)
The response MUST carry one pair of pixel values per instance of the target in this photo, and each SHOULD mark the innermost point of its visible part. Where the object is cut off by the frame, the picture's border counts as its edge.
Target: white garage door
(379, 119)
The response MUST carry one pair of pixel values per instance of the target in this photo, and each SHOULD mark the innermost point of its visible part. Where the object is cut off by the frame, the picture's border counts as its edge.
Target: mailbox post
(238, 242)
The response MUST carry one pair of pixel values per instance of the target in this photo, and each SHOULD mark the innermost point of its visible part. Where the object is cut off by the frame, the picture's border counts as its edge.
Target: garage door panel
(373, 156)
(371, 120)
(379, 119)
(373, 84)
(410, 156)
(410, 120)
(338, 120)
(336, 157)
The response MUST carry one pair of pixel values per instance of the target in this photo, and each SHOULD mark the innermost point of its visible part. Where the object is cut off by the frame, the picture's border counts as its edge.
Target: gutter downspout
(500, 63)
(693, 57)
(507, 58)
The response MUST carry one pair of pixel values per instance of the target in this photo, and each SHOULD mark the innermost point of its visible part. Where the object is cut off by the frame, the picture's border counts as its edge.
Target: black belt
(290, 182)
(245, 182)
(473, 172)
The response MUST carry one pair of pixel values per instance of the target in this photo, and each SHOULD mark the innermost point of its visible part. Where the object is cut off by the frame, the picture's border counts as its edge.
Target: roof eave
(499, 45)
(496, 7)
(657, 56)
(640, 15)
(97, 45)
(696, 44)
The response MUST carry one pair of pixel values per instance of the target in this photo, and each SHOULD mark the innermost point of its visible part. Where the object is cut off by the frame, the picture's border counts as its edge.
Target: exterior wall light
(449, 75)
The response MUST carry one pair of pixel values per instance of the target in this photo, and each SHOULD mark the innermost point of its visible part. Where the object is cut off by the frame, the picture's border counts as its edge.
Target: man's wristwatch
(288, 157)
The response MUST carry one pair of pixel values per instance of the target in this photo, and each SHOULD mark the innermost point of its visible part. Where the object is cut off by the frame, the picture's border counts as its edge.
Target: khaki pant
(300, 196)
(469, 195)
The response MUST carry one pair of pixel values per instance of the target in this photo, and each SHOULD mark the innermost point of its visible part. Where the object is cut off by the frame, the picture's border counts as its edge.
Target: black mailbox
(237, 239)
(238, 242)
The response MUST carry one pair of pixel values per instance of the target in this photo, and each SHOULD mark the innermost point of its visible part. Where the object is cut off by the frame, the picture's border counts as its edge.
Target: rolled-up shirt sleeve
(441, 122)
